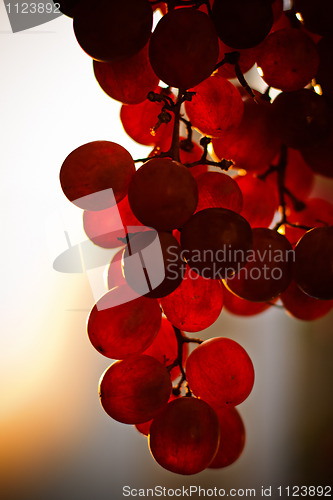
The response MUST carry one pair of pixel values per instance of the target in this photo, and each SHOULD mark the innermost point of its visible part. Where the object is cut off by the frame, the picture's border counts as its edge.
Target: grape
(139, 121)
(232, 438)
(120, 331)
(288, 59)
(216, 107)
(183, 48)
(317, 16)
(303, 307)
(128, 80)
(215, 242)
(109, 30)
(319, 155)
(218, 190)
(184, 437)
(156, 267)
(195, 304)
(252, 145)
(301, 118)
(241, 307)
(269, 270)
(94, 169)
(314, 263)
(317, 212)
(107, 228)
(242, 23)
(163, 194)
(247, 59)
(135, 390)
(144, 428)
(220, 372)
(165, 348)
(259, 201)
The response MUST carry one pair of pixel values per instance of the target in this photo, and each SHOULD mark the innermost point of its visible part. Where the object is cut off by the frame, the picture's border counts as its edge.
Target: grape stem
(233, 58)
(181, 340)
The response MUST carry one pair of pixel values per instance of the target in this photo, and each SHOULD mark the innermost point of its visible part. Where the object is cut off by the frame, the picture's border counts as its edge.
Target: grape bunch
(220, 214)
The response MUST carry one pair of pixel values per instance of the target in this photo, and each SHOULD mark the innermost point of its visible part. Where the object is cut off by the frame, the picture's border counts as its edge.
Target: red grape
(252, 145)
(220, 372)
(288, 59)
(215, 242)
(232, 438)
(219, 190)
(115, 271)
(241, 307)
(259, 201)
(269, 270)
(195, 304)
(128, 80)
(120, 331)
(303, 307)
(94, 169)
(216, 107)
(108, 30)
(135, 390)
(163, 194)
(184, 437)
(314, 263)
(184, 48)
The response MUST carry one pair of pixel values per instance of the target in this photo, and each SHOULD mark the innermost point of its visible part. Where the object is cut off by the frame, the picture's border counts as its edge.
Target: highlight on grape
(220, 214)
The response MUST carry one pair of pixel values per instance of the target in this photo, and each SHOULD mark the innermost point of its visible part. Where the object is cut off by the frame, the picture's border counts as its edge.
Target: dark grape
(314, 263)
(128, 80)
(301, 306)
(184, 438)
(269, 270)
(94, 169)
(163, 194)
(120, 331)
(109, 30)
(220, 372)
(135, 390)
(242, 23)
(215, 242)
(317, 16)
(184, 48)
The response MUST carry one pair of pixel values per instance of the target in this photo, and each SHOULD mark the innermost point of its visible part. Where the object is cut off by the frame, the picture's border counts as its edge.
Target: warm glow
(260, 71)
(317, 88)
(282, 230)
(299, 17)
(241, 172)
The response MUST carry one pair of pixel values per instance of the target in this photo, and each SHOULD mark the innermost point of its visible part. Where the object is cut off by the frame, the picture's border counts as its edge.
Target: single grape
(301, 306)
(317, 16)
(252, 145)
(120, 331)
(220, 372)
(128, 80)
(241, 307)
(216, 107)
(184, 48)
(242, 23)
(314, 263)
(215, 242)
(94, 169)
(219, 190)
(184, 437)
(288, 59)
(232, 438)
(115, 271)
(109, 30)
(195, 304)
(268, 271)
(163, 194)
(135, 390)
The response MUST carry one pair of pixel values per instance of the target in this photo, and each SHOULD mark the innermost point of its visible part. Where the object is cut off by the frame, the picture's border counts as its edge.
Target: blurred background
(56, 441)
